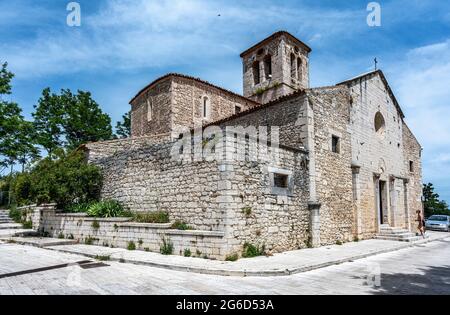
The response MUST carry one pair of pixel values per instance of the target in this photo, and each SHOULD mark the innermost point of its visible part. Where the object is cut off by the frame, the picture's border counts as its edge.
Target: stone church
(348, 164)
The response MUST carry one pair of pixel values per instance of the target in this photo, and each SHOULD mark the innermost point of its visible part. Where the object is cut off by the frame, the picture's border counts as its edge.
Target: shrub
(150, 217)
(232, 257)
(251, 250)
(187, 252)
(27, 225)
(180, 225)
(95, 225)
(131, 245)
(166, 247)
(105, 209)
(78, 207)
(88, 240)
(103, 258)
(339, 242)
(247, 211)
(61, 235)
(16, 215)
(66, 180)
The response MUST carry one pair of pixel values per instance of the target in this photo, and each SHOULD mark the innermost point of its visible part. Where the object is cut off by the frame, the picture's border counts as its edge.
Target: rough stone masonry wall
(159, 97)
(145, 178)
(333, 177)
(278, 222)
(288, 115)
(413, 152)
(211, 196)
(188, 103)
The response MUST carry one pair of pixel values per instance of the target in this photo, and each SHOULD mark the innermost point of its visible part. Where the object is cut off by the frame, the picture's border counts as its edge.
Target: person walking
(421, 225)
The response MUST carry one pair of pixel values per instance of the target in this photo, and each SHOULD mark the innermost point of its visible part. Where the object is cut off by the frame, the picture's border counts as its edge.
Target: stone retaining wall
(120, 232)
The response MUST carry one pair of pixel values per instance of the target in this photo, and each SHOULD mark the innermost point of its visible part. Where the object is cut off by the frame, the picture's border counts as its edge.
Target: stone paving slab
(15, 232)
(278, 265)
(39, 241)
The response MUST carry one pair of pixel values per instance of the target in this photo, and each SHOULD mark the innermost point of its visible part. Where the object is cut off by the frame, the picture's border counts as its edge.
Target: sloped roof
(177, 75)
(385, 82)
(272, 37)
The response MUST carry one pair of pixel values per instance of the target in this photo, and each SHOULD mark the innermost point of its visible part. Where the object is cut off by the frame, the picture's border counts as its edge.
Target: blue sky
(124, 44)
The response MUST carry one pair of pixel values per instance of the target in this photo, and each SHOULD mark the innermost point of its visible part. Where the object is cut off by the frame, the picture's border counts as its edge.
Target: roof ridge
(184, 76)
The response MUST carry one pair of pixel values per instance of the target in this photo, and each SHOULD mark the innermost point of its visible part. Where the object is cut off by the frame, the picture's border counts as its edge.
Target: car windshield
(438, 218)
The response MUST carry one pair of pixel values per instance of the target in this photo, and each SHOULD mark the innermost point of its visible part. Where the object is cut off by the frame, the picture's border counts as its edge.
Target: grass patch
(166, 247)
(95, 225)
(27, 225)
(131, 245)
(251, 250)
(61, 236)
(232, 257)
(103, 258)
(180, 225)
(149, 217)
(89, 240)
(247, 211)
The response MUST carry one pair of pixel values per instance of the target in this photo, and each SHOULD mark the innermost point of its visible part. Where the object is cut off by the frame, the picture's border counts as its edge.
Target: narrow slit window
(411, 166)
(149, 110)
(205, 107)
(256, 74)
(335, 144)
(237, 109)
(268, 67)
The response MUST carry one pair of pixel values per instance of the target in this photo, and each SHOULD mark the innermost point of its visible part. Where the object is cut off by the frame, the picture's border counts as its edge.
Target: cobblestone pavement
(422, 269)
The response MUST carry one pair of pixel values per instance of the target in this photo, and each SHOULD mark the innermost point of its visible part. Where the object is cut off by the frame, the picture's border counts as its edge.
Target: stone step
(390, 238)
(403, 237)
(10, 226)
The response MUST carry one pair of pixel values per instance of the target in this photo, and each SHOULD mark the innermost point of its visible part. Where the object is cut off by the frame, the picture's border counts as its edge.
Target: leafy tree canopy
(123, 128)
(432, 204)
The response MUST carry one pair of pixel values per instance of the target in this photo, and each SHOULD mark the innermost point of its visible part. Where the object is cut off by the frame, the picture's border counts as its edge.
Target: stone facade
(340, 161)
(175, 102)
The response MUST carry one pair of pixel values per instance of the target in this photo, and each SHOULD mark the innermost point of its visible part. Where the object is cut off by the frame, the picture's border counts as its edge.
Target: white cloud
(422, 83)
(126, 34)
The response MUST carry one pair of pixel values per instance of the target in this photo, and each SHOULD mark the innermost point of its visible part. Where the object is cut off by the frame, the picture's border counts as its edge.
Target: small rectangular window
(281, 180)
(237, 109)
(411, 166)
(335, 144)
(149, 110)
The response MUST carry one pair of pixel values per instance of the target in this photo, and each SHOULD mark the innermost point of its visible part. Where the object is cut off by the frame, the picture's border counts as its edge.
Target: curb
(261, 273)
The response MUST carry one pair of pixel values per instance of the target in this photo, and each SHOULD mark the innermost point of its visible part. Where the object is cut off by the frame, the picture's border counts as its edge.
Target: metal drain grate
(24, 272)
(94, 265)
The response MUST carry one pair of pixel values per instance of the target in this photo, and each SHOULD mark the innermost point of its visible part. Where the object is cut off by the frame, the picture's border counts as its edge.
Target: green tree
(432, 204)
(48, 122)
(5, 79)
(123, 128)
(84, 121)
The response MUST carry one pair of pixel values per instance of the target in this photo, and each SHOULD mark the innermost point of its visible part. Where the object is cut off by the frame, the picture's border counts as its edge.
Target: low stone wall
(120, 232)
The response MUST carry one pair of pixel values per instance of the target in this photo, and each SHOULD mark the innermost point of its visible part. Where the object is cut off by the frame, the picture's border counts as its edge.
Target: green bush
(27, 225)
(131, 245)
(166, 247)
(251, 250)
(180, 225)
(16, 215)
(232, 257)
(64, 181)
(187, 252)
(150, 217)
(105, 209)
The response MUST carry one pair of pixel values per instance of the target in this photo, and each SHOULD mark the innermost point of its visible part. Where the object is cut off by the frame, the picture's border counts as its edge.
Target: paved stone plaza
(420, 269)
